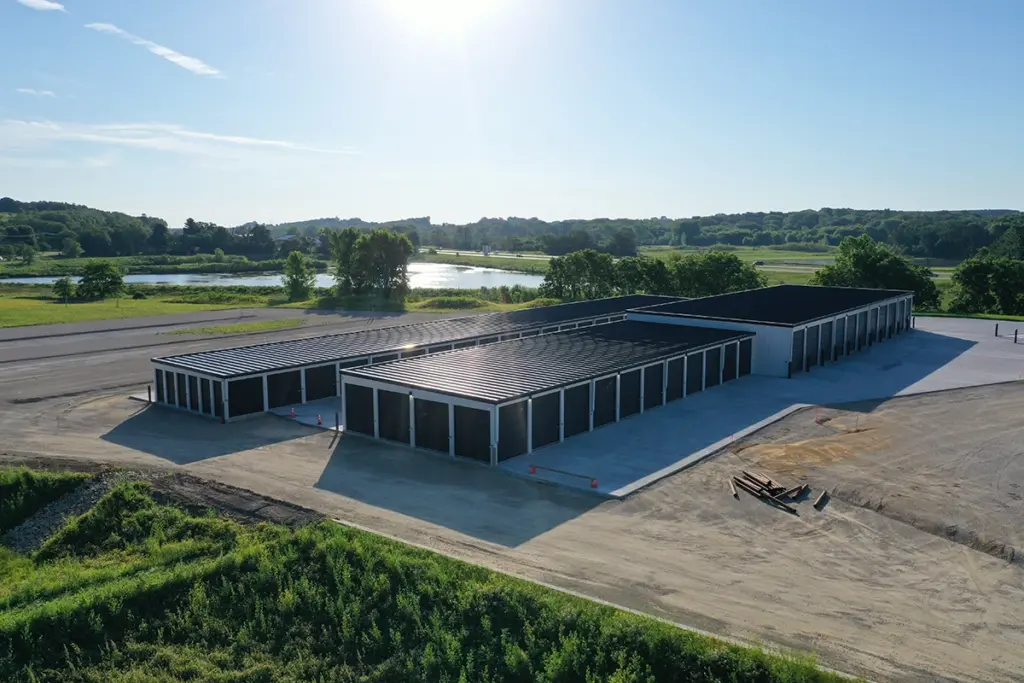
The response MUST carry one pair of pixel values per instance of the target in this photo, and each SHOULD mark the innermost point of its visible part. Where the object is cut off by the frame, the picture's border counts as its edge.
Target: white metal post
(188, 393)
(302, 383)
(495, 434)
(704, 370)
(209, 393)
(451, 429)
(529, 425)
(643, 376)
(412, 421)
(561, 414)
(341, 394)
(337, 377)
(686, 367)
(266, 395)
(224, 384)
(376, 415)
(664, 383)
(618, 397)
(738, 344)
(593, 388)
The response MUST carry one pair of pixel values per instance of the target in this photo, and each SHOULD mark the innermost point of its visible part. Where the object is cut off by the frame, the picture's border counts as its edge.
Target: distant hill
(310, 227)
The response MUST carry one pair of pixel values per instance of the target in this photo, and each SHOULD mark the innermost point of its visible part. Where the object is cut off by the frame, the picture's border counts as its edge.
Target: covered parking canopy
(496, 402)
(243, 380)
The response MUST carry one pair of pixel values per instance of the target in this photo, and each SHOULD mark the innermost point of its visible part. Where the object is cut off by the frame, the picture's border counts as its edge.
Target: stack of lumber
(767, 489)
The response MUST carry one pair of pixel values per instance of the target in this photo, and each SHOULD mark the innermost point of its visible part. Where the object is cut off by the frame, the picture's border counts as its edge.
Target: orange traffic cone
(319, 421)
(293, 413)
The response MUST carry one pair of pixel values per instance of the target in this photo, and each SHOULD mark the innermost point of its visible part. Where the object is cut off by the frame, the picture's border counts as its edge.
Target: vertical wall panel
(393, 415)
(851, 334)
(577, 410)
(546, 419)
(629, 389)
(604, 401)
(245, 396)
(813, 345)
(872, 325)
(473, 433)
(674, 386)
(746, 356)
(826, 342)
(797, 360)
(358, 409)
(694, 373)
(840, 337)
(158, 388)
(511, 430)
(862, 329)
(713, 367)
(653, 378)
(729, 372)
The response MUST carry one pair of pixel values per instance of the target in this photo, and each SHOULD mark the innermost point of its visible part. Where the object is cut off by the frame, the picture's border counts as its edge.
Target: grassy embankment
(137, 591)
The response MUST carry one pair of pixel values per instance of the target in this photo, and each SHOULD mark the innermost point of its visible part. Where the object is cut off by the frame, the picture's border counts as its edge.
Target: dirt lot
(911, 572)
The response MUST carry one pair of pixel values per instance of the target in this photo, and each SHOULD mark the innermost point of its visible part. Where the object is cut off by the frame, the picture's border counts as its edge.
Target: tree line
(74, 230)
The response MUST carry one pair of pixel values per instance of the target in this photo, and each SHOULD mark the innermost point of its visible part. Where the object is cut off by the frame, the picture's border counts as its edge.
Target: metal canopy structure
(783, 305)
(504, 372)
(496, 402)
(266, 358)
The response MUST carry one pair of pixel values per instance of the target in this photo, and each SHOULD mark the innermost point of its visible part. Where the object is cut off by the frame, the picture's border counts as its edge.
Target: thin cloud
(196, 66)
(36, 93)
(162, 137)
(43, 5)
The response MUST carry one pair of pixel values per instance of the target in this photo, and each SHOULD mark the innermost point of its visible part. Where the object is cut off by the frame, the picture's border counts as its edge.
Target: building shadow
(182, 438)
(467, 497)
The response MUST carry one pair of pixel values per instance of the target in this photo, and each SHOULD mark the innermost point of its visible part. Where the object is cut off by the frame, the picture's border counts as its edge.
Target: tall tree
(299, 277)
(342, 243)
(100, 279)
(710, 273)
(381, 263)
(863, 262)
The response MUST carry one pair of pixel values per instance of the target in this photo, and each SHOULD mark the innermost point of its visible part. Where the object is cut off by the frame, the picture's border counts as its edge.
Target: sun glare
(442, 18)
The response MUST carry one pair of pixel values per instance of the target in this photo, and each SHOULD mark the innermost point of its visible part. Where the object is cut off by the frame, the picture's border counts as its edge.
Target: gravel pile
(30, 534)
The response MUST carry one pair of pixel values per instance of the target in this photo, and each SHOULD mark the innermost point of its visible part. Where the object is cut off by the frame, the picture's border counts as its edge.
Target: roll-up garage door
(713, 367)
(797, 360)
(359, 409)
(604, 401)
(577, 410)
(393, 415)
(511, 430)
(653, 378)
(473, 433)
(694, 373)
(431, 425)
(629, 393)
(546, 419)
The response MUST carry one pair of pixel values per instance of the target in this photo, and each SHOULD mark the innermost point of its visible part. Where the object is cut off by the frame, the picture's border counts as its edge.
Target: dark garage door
(840, 337)
(577, 410)
(653, 378)
(218, 400)
(694, 373)
(284, 388)
(872, 325)
(245, 396)
(713, 367)
(729, 363)
(432, 425)
(629, 393)
(746, 356)
(862, 329)
(546, 419)
(193, 393)
(604, 401)
(826, 342)
(674, 387)
(204, 391)
(183, 395)
(159, 387)
(321, 382)
(851, 334)
(393, 415)
(813, 345)
(797, 360)
(473, 433)
(359, 409)
(511, 430)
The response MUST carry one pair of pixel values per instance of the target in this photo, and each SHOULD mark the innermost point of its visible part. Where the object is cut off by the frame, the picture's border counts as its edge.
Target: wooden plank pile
(767, 489)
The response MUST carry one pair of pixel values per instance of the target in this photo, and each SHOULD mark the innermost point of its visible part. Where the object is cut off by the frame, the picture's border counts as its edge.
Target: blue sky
(276, 110)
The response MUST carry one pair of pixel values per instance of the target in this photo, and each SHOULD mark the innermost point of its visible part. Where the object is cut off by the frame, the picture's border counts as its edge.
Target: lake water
(421, 275)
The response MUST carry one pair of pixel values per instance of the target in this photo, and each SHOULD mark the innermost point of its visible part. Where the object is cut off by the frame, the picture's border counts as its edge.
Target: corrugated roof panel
(275, 356)
(513, 369)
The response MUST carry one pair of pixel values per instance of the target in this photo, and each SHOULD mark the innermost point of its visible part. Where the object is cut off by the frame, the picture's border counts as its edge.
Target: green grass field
(244, 328)
(749, 254)
(17, 310)
(520, 265)
(134, 591)
(52, 265)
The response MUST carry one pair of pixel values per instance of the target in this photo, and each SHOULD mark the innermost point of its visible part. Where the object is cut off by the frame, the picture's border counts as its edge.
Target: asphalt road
(115, 354)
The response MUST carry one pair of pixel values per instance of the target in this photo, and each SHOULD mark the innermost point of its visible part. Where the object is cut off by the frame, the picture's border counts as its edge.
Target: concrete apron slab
(308, 413)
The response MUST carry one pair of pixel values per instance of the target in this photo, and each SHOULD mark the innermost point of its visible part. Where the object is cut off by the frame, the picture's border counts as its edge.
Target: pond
(421, 276)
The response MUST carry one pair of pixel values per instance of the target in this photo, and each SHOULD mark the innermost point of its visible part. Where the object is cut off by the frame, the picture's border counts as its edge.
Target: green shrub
(24, 491)
(457, 302)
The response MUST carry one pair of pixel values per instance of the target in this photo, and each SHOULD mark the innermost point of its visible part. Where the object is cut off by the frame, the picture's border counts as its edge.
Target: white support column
(209, 395)
(561, 414)
(451, 429)
(529, 425)
(337, 377)
(721, 364)
(188, 393)
(302, 383)
(618, 397)
(686, 369)
(495, 434)
(376, 415)
(412, 421)
(224, 384)
(704, 370)
(266, 395)
(341, 394)
(643, 376)
(664, 383)
(803, 360)
(737, 360)
(593, 388)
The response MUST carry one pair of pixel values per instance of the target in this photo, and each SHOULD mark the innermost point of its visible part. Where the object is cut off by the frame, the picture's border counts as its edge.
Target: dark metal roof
(275, 356)
(784, 305)
(501, 372)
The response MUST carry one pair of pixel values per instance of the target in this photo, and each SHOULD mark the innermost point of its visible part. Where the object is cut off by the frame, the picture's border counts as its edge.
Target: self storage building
(496, 402)
(797, 326)
(234, 382)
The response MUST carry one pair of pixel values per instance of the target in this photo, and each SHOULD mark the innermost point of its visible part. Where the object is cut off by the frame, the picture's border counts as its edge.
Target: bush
(23, 492)
(458, 302)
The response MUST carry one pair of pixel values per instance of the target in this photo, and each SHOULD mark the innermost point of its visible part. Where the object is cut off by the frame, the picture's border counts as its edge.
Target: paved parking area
(940, 353)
